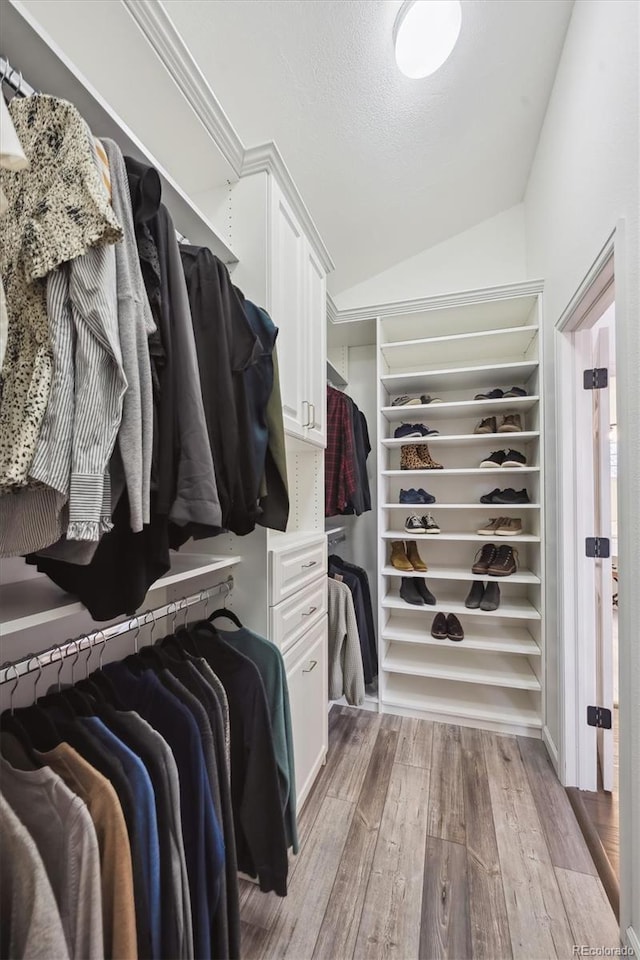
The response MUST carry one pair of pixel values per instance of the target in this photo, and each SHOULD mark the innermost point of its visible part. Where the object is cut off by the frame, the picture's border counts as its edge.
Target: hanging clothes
(357, 581)
(346, 480)
(346, 676)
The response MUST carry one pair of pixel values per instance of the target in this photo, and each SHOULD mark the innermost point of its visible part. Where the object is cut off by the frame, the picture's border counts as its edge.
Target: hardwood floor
(422, 840)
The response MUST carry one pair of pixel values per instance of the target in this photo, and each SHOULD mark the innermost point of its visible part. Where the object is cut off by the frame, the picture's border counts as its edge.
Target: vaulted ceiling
(388, 166)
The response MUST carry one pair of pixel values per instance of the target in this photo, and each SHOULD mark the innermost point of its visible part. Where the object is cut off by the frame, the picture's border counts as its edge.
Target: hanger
(32, 725)
(224, 612)
(75, 698)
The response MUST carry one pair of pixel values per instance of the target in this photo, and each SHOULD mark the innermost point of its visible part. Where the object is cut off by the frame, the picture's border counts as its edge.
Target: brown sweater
(118, 910)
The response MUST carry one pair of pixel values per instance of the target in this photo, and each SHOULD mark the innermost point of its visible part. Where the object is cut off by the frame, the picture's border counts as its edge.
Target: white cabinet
(306, 666)
(298, 307)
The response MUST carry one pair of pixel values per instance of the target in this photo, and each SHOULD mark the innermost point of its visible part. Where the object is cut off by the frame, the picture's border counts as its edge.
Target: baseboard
(552, 750)
(633, 941)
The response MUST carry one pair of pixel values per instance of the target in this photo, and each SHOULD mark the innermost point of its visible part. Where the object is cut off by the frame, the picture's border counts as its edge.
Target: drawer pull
(313, 664)
(312, 563)
(309, 611)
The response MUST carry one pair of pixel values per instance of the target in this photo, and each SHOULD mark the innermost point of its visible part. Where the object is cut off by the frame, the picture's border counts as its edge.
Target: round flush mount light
(424, 35)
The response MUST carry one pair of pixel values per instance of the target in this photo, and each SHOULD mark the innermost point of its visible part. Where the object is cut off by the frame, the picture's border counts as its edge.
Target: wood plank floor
(422, 840)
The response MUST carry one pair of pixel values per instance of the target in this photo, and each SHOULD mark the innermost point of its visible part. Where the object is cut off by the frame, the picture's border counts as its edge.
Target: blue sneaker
(406, 430)
(415, 496)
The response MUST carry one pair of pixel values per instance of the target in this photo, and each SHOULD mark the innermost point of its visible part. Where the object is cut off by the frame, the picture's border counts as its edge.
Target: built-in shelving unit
(494, 676)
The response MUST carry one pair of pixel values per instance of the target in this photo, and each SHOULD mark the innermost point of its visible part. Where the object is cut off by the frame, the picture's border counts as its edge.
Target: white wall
(490, 254)
(584, 179)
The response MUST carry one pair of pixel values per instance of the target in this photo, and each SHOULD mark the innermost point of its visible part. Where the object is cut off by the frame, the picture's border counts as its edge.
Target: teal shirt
(268, 660)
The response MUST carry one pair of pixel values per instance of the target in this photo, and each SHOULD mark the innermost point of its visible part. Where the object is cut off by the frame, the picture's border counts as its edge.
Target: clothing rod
(14, 79)
(12, 671)
(336, 538)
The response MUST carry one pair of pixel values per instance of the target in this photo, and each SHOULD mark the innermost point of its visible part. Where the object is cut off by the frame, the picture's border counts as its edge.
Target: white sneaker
(429, 525)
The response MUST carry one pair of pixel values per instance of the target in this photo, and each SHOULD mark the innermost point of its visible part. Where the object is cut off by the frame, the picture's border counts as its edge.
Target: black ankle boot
(474, 597)
(409, 591)
(425, 593)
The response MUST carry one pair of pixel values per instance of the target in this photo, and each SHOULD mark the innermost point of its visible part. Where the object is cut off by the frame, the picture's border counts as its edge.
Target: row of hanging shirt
(130, 800)
(139, 394)
(345, 462)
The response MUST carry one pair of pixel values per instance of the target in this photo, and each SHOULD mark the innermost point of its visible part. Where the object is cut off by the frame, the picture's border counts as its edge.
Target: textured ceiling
(388, 166)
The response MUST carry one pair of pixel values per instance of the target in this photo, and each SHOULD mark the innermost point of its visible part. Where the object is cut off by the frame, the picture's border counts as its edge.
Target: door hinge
(598, 547)
(596, 379)
(599, 717)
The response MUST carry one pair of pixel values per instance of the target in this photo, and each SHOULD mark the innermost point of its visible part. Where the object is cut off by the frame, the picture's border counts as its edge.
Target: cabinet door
(316, 316)
(306, 666)
(287, 310)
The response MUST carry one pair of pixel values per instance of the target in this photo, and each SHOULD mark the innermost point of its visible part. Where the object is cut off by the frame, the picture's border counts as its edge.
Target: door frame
(577, 752)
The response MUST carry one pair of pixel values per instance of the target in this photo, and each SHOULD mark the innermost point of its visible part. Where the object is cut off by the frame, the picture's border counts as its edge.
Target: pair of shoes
(498, 394)
(415, 591)
(425, 524)
(492, 561)
(447, 626)
(506, 497)
(407, 401)
(504, 458)
(416, 496)
(407, 559)
(426, 398)
(408, 430)
(511, 423)
(501, 527)
(415, 456)
(483, 598)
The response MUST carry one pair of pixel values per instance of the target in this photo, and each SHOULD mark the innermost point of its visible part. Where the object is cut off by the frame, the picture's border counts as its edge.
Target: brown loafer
(439, 627)
(454, 628)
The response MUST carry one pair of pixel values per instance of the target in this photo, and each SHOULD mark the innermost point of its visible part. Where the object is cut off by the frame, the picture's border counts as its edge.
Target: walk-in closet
(319, 476)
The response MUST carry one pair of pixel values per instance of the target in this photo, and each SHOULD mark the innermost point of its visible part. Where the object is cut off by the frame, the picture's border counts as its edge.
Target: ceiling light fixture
(424, 35)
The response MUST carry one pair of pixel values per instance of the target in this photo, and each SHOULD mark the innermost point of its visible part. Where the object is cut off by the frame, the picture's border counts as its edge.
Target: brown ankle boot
(427, 460)
(399, 559)
(414, 557)
(410, 457)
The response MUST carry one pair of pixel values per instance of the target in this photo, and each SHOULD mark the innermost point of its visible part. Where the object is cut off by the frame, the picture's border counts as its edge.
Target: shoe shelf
(494, 677)
(453, 439)
(462, 573)
(478, 704)
(511, 608)
(457, 409)
(463, 665)
(478, 378)
(497, 638)
(461, 472)
(498, 508)
(426, 538)
(512, 345)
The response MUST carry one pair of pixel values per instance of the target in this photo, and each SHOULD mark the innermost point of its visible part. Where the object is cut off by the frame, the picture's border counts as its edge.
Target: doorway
(589, 558)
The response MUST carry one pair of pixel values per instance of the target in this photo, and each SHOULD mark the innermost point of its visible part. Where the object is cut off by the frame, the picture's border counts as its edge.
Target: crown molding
(332, 310)
(397, 308)
(266, 158)
(161, 32)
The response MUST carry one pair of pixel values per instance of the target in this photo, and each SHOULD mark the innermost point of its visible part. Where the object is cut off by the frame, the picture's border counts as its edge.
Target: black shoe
(495, 394)
(510, 496)
(454, 628)
(439, 627)
(514, 459)
(407, 430)
(474, 597)
(426, 497)
(409, 592)
(490, 497)
(425, 593)
(491, 598)
(496, 459)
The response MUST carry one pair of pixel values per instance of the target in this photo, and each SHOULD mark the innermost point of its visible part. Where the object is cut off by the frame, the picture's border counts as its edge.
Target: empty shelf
(479, 378)
(511, 343)
(511, 608)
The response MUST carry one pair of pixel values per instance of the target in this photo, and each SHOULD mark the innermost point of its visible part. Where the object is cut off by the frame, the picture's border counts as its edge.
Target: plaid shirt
(340, 467)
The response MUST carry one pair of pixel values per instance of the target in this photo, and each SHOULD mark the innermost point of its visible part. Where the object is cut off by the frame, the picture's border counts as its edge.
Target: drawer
(293, 567)
(307, 679)
(293, 617)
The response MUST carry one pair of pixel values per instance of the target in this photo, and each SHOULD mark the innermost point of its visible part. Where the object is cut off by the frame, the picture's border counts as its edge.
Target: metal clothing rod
(36, 661)
(336, 536)
(14, 79)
